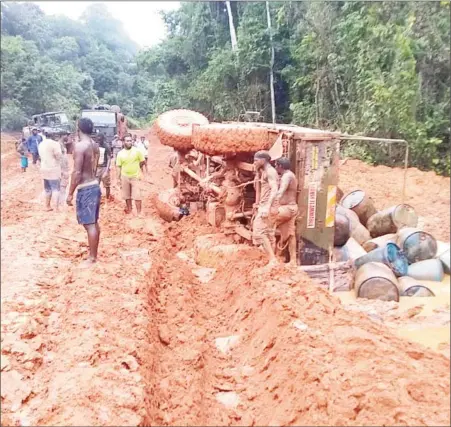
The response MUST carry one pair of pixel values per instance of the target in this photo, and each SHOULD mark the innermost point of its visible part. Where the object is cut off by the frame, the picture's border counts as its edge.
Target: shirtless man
(288, 208)
(263, 228)
(86, 156)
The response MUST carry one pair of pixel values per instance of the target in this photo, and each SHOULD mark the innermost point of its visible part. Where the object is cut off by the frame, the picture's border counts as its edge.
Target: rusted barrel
(390, 255)
(379, 242)
(350, 251)
(391, 220)
(444, 257)
(409, 287)
(360, 203)
(376, 281)
(342, 230)
(416, 244)
(429, 269)
(358, 231)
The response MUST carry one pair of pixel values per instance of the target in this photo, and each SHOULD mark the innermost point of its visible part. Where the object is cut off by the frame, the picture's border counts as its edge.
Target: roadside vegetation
(374, 68)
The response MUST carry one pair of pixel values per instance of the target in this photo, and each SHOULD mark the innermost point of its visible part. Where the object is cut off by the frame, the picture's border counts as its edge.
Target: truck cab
(104, 120)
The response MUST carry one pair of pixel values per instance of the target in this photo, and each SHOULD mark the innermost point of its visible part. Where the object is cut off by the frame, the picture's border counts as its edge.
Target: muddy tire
(174, 128)
(215, 139)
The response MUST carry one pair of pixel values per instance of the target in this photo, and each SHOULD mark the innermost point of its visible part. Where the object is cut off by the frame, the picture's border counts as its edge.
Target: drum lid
(352, 199)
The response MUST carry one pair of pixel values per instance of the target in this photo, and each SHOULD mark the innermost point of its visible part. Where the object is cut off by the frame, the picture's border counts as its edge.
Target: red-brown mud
(296, 357)
(149, 337)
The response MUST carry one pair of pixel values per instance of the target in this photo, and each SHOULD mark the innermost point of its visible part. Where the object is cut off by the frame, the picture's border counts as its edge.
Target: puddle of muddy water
(434, 331)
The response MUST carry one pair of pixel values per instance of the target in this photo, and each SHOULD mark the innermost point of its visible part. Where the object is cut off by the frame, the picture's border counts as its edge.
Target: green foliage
(12, 116)
(374, 68)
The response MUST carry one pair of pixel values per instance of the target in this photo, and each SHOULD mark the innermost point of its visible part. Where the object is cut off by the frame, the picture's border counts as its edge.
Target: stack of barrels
(390, 253)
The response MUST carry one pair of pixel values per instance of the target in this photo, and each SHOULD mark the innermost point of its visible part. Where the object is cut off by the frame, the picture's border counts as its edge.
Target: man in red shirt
(121, 126)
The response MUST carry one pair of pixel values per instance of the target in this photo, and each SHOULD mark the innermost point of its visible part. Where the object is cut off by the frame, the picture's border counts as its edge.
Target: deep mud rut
(148, 337)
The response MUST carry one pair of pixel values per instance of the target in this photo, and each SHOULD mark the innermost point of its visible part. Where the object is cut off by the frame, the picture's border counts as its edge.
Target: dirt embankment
(247, 349)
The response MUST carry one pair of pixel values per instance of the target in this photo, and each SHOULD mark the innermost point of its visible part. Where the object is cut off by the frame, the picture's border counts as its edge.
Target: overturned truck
(213, 171)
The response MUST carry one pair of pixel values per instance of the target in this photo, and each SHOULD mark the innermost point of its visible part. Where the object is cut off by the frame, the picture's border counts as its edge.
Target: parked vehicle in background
(54, 124)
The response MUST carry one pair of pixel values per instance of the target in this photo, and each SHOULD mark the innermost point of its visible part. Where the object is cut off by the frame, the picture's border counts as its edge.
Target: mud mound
(174, 128)
(274, 349)
(166, 203)
(219, 138)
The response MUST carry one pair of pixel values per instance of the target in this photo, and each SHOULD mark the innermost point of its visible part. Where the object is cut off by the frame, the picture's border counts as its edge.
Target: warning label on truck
(314, 157)
(311, 205)
(331, 203)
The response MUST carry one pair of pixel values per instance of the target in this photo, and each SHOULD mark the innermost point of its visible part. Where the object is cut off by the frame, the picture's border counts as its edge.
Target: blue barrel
(390, 255)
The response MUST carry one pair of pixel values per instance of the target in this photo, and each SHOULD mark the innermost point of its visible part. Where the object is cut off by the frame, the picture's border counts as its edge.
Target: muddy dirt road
(148, 336)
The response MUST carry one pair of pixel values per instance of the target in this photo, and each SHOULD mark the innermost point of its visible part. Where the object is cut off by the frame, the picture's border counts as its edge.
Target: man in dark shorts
(103, 168)
(86, 156)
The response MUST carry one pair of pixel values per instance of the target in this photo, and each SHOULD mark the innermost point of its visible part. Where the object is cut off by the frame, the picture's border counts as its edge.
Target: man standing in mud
(287, 207)
(130, 164)
(174, 164)
(86, 155)
(65, 169)
(103, 168)
(121, 126)
(32, 143)
(50, 154)
(263, 228)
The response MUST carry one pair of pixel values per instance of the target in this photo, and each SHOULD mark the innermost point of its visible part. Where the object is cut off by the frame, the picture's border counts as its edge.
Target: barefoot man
(263, 228)
(86, 155)
(288, 208)
(50, 154)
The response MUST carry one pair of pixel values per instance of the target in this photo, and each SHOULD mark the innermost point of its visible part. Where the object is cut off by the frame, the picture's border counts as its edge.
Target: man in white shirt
(143, 146)
(50, 154)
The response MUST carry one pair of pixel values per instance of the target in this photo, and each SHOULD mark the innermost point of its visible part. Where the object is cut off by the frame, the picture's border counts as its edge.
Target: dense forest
(374, 68)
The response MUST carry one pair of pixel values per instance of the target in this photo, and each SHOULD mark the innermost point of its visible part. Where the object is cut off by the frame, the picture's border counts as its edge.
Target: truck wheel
(174, 128)
(217, 138)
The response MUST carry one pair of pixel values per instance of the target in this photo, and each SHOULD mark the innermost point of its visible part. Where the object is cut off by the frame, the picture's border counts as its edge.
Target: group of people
(93, 158)
(277, 208)
(54, 164)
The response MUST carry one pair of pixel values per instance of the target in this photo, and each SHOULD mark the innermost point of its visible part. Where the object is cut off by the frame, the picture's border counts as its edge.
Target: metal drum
(429, 269)
(445, 259)
(379, 242)
(342, 230)
(391, 220)
(350, 251)
(360, 203)
(358, 231)
(376, 281)
(390, 255)
(409, 287)
(416, 244)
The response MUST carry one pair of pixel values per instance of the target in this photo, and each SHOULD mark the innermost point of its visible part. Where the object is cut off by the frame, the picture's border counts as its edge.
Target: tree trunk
(271, 70)
(231, 27)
